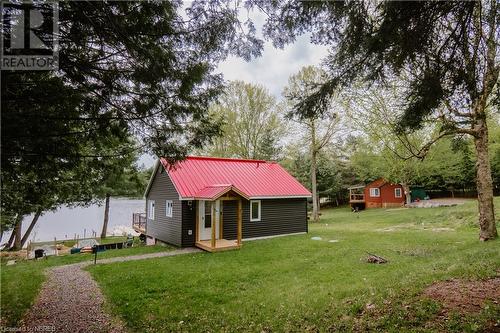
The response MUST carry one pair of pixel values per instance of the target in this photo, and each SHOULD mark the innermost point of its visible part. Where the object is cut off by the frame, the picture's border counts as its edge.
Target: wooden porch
(220, 245)
(217, 243)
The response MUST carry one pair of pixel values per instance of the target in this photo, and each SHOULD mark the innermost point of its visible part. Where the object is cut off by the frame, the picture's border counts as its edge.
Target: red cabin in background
(377, 194)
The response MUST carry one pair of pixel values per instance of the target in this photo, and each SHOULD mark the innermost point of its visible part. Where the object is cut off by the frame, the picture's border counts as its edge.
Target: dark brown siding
(188, 225)
(278, 216)
(166, 229)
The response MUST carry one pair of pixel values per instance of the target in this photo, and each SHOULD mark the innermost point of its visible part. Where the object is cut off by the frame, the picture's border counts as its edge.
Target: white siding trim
(260, 210)
(169, 208)
(151, 210)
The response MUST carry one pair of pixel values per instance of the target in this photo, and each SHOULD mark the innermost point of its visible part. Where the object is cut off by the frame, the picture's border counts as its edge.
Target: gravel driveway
(71, 301)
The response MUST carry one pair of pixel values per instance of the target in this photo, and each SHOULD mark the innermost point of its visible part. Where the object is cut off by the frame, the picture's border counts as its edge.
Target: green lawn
(20, 283)
(297, 284)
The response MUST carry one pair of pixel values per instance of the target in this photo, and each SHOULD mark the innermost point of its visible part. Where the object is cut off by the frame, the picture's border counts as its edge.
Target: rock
(316, 238)
(333, 241)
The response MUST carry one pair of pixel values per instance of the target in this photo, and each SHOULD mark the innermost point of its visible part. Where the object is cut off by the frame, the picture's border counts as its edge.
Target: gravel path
(71, 301)
(186, 250)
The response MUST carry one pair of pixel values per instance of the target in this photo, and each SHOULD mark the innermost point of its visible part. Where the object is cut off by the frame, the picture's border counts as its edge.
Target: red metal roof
(209, 176)
(377, 183)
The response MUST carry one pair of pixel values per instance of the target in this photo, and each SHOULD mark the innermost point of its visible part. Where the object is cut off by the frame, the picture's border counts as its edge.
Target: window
(374, 192)
(151, 209)
(397, 193)
(169, 206)
(208, 214)
(255, 210)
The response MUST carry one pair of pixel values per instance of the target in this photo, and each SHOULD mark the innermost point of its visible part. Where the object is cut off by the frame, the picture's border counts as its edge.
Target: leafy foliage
(252, 125)
(446, 48)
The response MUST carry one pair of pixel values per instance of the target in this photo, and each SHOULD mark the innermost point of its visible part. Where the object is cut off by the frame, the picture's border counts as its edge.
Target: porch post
(239, 222)
(213, 224)
(197, 220)
(221, 219)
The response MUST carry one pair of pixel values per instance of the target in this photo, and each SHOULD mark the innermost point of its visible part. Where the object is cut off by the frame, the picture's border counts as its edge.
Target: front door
(205, 219)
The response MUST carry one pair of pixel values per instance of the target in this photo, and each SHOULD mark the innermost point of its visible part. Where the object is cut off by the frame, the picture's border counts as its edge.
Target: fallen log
(375, 259)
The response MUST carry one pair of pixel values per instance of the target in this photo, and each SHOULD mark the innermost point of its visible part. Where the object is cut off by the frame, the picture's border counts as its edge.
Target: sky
(272, 69)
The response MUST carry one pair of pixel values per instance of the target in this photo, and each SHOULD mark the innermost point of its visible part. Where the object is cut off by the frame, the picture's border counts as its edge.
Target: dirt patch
(464, 296)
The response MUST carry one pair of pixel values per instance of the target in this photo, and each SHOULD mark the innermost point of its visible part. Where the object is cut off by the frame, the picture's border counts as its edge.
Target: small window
(169, 206)
(151, 209)
(374, 192)
(255, 210)
(208, 214)
(398, 193)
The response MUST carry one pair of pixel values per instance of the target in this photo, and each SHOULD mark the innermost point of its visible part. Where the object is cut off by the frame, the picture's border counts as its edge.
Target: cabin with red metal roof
(378, 194)
(215, 203)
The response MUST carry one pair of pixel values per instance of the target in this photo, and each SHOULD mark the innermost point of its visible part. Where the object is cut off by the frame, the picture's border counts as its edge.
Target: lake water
(65, 222)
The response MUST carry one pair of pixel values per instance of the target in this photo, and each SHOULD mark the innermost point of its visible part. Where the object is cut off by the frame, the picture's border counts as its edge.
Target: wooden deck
(357, 197)
(139, 222)
(220, 245)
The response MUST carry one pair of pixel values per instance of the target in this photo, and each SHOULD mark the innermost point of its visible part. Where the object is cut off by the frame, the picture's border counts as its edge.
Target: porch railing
(357, 197)
(139, 221)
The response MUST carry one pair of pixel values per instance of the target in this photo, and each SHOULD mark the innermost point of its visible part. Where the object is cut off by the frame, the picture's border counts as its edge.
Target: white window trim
(259, 217)
(169, 212)
(372, 192)
(151, 209)
(400, 193)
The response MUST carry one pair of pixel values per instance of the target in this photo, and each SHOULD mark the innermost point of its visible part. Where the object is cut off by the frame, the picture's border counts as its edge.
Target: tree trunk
(484, 183)
(106, 217)
(407, 193)
(17, 234)
(30, 228)
(9, 244)
(314, 190)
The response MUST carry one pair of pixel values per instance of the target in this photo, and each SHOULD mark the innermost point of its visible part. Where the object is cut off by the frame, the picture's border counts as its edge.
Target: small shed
(378, 194)
(418, 193)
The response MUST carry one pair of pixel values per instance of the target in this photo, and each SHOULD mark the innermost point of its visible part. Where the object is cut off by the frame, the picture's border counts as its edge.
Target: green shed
(418, 192)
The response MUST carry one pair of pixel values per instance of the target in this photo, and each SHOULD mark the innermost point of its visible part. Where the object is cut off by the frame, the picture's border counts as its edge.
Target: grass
(21, 283)
(298, 284)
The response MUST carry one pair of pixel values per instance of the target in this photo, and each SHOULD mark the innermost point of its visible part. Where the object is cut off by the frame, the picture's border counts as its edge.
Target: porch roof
(213, 192)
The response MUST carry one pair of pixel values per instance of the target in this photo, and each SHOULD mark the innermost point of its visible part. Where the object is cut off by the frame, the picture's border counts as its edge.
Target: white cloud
(275, 66)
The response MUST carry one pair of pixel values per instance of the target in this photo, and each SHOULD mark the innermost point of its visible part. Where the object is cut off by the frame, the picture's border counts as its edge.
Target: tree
(252, 125)
(320, 127)
(333, 173)
(448, 51)
(123, 179)
(125, 69)
(375, 112)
